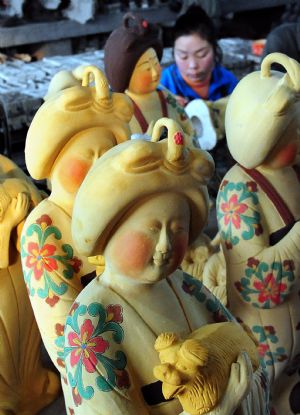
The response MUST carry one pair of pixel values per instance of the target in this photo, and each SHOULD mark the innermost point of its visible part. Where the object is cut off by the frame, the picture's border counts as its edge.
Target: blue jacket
(222, 83)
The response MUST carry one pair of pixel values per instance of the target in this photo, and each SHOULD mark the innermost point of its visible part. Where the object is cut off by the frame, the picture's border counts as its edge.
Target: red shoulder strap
(140, 117)
(163, 103)
(272, 194)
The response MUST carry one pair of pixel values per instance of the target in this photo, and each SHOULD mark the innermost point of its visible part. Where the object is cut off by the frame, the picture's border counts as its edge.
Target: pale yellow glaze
(25, 385)
(70, 131)
(158, 207)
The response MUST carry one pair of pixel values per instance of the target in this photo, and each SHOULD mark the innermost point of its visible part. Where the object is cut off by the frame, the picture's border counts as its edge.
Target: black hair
(196, 21)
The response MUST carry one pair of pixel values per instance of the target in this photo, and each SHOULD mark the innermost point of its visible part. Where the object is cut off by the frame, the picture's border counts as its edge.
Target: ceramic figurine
(25, 385)
(196, 370)
(258, 209)
(131, 60)
(159, 205)
(196, 256)
(68, 133)
(65, 79)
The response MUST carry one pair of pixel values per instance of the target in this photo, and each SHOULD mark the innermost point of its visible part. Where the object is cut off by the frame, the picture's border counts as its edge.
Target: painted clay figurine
(159, 205)
(69, 132)
(258, 209)
(131, 61)
(25, 385)
(196, 370)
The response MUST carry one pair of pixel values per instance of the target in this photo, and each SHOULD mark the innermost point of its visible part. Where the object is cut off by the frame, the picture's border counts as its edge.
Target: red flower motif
(282, 358)
(59, 329)
(76, 397)
(61, 363)
(223, 184)
(228, 245)
(122, 379)
(178, 138)
(238, 286)
(44, 221)
(73, 308)
(262, 349)
(270, 330)
(40, 258)
(86, 346)
(251, 186)
(114, 313)
(258, 229)
(252, 263)
(233, 210)
(269, 289)
(52, 300)
(145, 24)
(76, 264)
(288, 265)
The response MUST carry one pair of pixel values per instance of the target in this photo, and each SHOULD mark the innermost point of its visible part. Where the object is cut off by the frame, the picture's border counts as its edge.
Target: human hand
(181, 100)
(238, 386)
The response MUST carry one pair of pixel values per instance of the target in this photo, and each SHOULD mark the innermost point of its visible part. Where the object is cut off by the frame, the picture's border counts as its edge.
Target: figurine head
(263, 115)
(145, 77)
(196, 48)
(155, 191)
(18, 196)
(185, 374)
(125, 47)
(79, 113)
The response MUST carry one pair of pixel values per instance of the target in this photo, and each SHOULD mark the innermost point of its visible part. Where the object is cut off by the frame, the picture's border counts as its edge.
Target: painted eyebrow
(153, 59)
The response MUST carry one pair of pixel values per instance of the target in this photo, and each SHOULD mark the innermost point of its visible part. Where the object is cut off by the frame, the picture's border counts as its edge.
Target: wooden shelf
(52, 31)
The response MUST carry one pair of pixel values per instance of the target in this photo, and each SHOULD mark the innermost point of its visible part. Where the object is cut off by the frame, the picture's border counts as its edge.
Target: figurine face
(146, 75)
(77, 157)
(194, 57)
(286, 150)
(151, 242)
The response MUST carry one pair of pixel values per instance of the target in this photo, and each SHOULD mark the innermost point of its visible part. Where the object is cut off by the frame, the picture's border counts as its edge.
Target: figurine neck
(135, 95)
(62, 198)
(121, 283)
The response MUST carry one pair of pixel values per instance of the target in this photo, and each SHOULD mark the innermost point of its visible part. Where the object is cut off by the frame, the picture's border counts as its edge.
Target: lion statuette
(196, 370)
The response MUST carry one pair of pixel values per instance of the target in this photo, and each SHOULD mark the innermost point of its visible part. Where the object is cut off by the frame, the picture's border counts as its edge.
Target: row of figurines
(173, 321)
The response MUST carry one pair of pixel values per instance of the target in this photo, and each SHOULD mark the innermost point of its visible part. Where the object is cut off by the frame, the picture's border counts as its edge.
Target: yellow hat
(75, 110)
(263, 110)
(133, 171)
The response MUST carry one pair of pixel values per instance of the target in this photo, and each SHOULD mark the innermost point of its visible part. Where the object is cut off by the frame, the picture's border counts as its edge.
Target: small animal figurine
(69, 132)
(158, 206)
(25, 385)
(258, 210)
(131, 61)
(196, 370)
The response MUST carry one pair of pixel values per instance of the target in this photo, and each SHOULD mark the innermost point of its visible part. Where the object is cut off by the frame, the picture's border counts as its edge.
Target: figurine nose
(163, 245)
(154, 72)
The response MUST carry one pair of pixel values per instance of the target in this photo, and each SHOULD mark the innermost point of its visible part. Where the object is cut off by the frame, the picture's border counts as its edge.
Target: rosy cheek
(143, 82)
(179, 246)
(132, 252)
(286, 156)
(72, 174)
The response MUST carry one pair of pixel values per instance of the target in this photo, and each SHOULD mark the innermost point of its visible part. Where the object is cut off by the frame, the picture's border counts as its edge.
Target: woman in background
(197, 72)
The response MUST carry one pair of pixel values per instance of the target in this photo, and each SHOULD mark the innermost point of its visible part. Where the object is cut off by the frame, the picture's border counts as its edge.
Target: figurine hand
(238, 387)
(17, 209)
(181, 100)
(214, 276)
